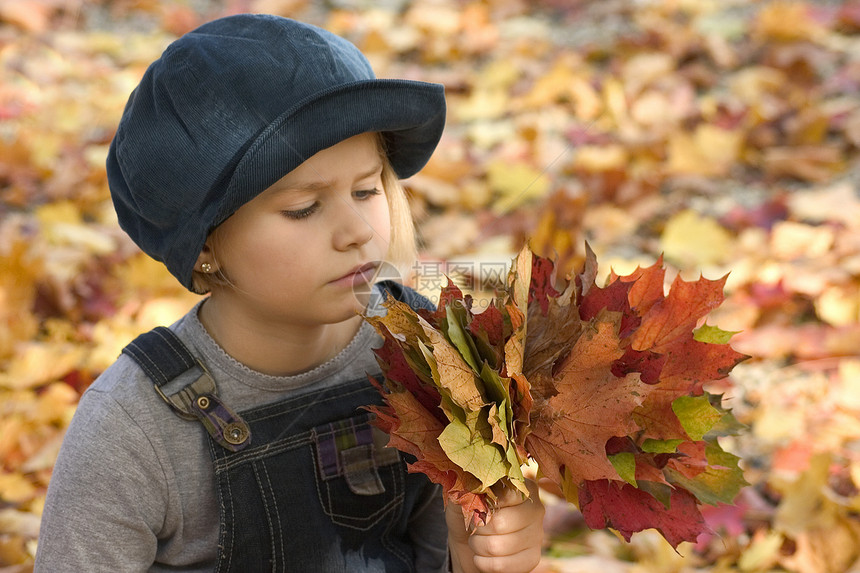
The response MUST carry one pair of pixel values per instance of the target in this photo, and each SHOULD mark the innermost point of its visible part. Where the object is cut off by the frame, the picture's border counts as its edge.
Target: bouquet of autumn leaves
(601, 386)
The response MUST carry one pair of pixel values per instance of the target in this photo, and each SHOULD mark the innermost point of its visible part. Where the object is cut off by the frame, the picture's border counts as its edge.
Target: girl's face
(296, 252)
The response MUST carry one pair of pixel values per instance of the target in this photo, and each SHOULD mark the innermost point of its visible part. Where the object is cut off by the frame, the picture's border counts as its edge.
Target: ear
(205, 258)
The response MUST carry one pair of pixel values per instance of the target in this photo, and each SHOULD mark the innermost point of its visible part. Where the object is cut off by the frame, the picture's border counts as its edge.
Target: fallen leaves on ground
(723, 135)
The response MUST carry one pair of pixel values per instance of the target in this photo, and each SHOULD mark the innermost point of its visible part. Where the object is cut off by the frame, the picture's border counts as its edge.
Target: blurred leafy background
(723, 134)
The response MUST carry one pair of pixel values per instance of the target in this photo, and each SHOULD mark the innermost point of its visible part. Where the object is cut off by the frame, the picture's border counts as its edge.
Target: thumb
(508, 494)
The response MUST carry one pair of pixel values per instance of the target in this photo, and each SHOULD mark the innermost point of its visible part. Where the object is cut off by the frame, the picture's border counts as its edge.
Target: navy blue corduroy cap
(231, 107)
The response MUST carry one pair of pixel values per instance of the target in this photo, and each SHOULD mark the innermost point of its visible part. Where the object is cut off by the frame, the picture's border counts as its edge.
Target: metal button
(235, 433)
(203, 402)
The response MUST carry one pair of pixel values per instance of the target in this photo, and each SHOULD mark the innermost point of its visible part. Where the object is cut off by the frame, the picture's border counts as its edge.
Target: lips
(360, 274)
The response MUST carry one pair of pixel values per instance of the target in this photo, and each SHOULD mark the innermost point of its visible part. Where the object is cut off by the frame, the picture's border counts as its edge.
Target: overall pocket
(359, 480)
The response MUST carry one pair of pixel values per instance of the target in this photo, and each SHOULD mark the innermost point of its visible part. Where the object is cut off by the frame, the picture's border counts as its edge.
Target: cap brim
(409, 114)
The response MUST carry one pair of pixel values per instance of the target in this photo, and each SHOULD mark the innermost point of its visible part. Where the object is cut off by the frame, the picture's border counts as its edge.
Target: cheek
(260, 253)
(382, 219)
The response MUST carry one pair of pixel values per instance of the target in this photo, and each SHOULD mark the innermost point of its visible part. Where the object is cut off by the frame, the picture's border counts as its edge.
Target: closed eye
(302, 213)
(364, 194)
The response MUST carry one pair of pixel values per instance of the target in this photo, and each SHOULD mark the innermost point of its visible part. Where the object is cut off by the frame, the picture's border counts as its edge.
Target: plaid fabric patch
(336, 437)
(346, 449)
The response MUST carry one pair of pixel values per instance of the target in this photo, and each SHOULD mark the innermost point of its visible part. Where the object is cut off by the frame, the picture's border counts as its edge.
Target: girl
(259, 159)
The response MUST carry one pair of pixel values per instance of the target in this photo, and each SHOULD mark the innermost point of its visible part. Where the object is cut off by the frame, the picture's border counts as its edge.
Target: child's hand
(510, 543)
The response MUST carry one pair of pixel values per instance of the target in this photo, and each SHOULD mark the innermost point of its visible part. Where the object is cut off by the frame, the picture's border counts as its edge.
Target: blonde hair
(402, 249)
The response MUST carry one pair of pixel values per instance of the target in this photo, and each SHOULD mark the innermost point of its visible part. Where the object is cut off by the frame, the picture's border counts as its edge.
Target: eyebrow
(322, 183)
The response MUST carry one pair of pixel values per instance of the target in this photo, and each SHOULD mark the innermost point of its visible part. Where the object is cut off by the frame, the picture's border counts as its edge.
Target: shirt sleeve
(429, 532)
(107, 496)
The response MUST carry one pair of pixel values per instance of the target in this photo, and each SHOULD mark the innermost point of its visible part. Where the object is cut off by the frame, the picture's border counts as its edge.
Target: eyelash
(299, 214)
(302, 213)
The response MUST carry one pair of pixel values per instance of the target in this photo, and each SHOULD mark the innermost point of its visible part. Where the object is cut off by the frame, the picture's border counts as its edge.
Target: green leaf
(498, 390)
(712, 335)
(660, 491)
(473, 452)
(625, 464)
(454, 328)
(719, 483)
(515, 471)
(727, 426)
(696, 415)
(652, 446)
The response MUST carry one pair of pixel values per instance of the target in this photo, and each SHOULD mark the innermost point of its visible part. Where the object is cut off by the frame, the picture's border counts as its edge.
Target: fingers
(509, 495)
(525, 561)
(513, 539)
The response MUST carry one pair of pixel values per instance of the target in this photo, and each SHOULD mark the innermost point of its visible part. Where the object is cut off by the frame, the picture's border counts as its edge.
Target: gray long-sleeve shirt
(133, 488)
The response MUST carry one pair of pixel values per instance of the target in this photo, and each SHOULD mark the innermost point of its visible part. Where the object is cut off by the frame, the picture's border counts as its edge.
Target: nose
(352, 228)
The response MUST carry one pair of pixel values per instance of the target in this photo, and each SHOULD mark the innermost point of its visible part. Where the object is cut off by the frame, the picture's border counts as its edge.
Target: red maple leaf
(616, 504)
(591, 406)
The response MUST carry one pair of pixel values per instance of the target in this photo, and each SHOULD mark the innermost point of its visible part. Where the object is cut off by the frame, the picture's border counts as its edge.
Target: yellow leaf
(15, 488)
(596, 158)
(515, 184)
(455, 375)
(831, 549)
(483, 103)
(144, 277)
(645, 68)
(616, 100)
(837, 202)
(839, 305)
(693, 240)
(37, 363)
(752, 84)
(791, 241)
(762, 552)
(655, 110)
(19, 523)
(18, 273)
(804, 505)
(710, 151)
(776, 423)
(56, 404)
(563, 83)
(787, 21)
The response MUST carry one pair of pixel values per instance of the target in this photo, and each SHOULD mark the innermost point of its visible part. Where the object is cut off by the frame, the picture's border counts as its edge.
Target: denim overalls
(304, 484)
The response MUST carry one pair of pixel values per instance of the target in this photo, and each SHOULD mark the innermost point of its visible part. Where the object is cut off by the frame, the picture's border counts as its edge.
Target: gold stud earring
(206, 268)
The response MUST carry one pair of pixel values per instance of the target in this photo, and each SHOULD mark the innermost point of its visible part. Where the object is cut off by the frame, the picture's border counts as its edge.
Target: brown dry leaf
(817, 163)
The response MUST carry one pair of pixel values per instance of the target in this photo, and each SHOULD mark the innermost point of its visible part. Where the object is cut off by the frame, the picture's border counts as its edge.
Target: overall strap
(165, 359)
(405, 294)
